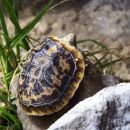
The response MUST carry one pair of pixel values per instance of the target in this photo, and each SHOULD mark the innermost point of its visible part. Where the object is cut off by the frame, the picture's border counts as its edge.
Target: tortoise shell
(49, 77)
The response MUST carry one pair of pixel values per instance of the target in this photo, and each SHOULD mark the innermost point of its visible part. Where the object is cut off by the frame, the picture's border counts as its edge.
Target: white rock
(109, 109)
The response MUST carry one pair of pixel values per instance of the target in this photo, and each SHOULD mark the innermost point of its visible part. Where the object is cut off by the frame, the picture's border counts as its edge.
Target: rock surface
(109, 109)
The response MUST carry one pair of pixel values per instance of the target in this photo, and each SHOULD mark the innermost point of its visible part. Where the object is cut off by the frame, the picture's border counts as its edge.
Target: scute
(47, 78)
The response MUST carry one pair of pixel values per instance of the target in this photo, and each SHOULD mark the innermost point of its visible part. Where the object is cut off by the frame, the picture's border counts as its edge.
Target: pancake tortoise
(50, 75)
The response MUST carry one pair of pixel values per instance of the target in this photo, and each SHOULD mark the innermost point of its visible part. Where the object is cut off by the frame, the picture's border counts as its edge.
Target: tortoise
(50, 75)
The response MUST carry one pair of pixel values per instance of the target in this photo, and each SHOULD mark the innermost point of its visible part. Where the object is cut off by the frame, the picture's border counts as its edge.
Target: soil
(106, 21)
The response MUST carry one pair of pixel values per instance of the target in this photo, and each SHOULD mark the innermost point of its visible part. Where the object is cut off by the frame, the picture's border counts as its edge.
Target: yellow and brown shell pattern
(50, 76)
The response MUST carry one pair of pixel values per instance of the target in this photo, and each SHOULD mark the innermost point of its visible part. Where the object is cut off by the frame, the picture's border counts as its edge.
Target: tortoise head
(70, 39)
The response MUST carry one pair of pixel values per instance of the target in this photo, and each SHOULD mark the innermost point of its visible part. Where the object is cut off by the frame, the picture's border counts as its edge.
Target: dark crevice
(108, 116)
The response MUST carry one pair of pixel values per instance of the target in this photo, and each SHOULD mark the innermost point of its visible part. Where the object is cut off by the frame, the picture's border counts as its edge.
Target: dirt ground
(106, 21)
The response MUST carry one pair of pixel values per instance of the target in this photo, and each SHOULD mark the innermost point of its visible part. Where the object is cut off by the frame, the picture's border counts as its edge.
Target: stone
(109, 109)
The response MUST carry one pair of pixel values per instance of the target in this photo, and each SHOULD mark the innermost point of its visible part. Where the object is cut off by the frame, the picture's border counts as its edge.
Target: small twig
(58, 4)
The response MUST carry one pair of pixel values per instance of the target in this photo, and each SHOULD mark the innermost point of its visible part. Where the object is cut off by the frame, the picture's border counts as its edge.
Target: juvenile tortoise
(50, 75)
